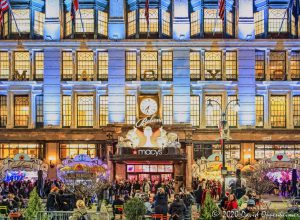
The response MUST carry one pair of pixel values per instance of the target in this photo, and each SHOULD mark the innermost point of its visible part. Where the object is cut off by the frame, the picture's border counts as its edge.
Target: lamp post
(223, 137)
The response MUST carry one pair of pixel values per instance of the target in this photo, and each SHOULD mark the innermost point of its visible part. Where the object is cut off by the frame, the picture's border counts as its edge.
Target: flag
(74, 8)
(147, 15)
(3, 7)
(221, 9)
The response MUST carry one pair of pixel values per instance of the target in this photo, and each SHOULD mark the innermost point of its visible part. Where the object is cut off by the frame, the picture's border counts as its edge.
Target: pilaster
(116, 22)
(52, 20)
(181, 21)
(246, 20)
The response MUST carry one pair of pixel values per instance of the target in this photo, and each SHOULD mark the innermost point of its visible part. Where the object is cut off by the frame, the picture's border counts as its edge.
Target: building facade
(68, 88)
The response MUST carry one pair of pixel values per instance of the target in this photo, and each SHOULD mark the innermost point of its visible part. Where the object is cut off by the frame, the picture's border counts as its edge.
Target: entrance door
(155, 178)
(132, 177)
(144, 176)
(166, 177)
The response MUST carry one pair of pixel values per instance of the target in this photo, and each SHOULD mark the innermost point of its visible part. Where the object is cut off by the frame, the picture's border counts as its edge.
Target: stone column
(246, 87)
(116, 22)
(52, 153)
(181, 85)
(188, 168)
(52, 96)
(110, 165)
(246, 20)
(52, 21)
(181, 21)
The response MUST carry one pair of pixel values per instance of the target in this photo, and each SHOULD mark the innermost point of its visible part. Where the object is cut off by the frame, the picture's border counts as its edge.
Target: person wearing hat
(80, 212)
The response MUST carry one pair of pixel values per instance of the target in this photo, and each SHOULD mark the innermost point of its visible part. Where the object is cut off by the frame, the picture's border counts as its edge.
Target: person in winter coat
(177, 208)
(80, 212)
(146, 187)
(232, 203)
(188, 200)
(53, 202)
(161, 202)
(198, 197)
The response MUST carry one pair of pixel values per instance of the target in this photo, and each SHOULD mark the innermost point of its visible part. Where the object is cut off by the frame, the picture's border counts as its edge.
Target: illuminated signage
(147, 120)
(150, 152)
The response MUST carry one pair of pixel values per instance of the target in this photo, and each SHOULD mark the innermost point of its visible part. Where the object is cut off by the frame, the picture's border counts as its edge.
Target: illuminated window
(167, 65)
(229, 23)
(153, 20)
(131, 65)
(103, 110)
(278, 111)
(130, 109)
(87, 16)
(72, 150)
(232, 113)
(263, 151)
(232, 151)
(39, 102)
(3, 111)
(296, 111)
(68, 27)
(103, 65)
(259, 65)
(22, 64)
(85, 111)
(166, 23)
(259, 111)
(21, 110)
(168, 109)
(10, 150)
(195, 65)
(213, 114)
(148, 65)
(293, 25)
(67, 65)
(102, 23)
(5, 24)
(259, 23)
(213, 65)
(131, 20)
(212, 22)
(39, 19)
(4, 65)
(195, 23)
(276, 16)
(277, 65)
(39, 65)
(295, 65)
(195, 110)
(230, 65)
(85, 66)
(66, 111)
(23, 20)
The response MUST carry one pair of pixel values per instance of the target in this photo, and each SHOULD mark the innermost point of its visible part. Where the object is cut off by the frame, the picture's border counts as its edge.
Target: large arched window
(26, 17)
(206, 22)
(90, 21)
(274, 20)
(159, 19)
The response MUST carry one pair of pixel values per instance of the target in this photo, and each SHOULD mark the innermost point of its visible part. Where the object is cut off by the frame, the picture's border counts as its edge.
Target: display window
(10, 150)
(263, 151)
(72, 150)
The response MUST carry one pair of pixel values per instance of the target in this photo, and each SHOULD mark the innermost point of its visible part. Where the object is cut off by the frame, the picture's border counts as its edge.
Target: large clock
(148, 106)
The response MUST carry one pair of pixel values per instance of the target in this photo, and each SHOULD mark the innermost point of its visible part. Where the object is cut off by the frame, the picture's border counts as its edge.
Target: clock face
(148, 106)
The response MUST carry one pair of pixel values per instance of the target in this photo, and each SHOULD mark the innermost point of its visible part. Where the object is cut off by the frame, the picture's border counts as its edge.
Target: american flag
(3, 7)
(147, 15)
(74, 8)
(221, 9)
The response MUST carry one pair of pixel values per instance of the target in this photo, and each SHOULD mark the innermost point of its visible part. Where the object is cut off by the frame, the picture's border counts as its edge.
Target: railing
(65, 215)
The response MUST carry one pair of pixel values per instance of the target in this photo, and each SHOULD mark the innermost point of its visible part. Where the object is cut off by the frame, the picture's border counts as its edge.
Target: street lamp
(223, 137)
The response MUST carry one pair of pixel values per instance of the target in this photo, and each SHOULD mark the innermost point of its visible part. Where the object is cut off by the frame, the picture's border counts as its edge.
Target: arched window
(26, 17)
(90, 21)
(275, 20)
(159, 19)
(206, 22)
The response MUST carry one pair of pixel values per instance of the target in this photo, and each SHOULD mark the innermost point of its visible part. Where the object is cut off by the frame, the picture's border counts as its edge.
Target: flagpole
(13, 15)
(285, 13)
(80, 18)
(215, 24)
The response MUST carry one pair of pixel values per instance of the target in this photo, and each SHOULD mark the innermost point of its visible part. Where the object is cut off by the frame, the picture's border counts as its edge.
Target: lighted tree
(35, 205)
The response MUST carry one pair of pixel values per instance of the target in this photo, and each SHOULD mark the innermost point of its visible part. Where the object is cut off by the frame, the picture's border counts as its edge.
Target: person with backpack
(53, 200)
(81, 212)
